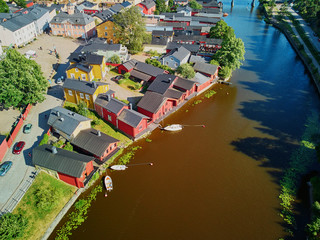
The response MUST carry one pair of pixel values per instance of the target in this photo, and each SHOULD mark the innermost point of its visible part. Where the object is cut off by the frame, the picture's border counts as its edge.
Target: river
(221, 181)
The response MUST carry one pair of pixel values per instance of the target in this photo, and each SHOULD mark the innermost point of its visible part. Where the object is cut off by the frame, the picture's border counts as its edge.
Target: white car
(59, 81)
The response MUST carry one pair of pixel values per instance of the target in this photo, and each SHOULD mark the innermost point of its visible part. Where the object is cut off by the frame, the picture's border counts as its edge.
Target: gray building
(176, 57)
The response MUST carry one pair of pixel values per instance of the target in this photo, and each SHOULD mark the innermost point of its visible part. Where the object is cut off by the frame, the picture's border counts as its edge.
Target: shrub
(44, 140)
(12, 226)
(46, 197)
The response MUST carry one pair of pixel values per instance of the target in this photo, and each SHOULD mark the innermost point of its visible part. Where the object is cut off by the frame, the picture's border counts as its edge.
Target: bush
(225, 72)
(12, 226)
(126, 75)
(68, 147)
(46, 197)
(186, 71)
(44, 140)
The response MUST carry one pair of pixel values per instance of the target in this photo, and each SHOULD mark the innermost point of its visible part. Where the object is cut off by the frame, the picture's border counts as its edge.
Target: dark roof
(183, 83)
(131, 117)
(173, 24)
(67, 121)
(170, 15)
(66, 162)
(197, 38)
(116, 8)
(104, 15)
(77, 18)
(126, 4)
(179, 53)
(205, 19)
(205, 68)
(148, 69)
(193, 48)
(83, 67)
(90, 141)
(139, 75)
(111, 104)
(130, 64)
(35, 12)
(86, 58)
(82, 86)
(151, 101)
(159, 41)
(184, 8)
(162, 33)
(194, 59)
(200, 78)
(173, 93)
(148, 3)
(16, 22)
(177, 1)
(87, 4)
(162, 83)
(95, 47)
(52, 7)
(210, 10)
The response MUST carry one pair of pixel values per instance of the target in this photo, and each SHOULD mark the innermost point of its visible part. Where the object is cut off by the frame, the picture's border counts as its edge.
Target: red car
(18, 147)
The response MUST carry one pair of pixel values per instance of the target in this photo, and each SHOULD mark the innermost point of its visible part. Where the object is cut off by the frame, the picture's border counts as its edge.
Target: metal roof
(86, 58)
(104, 15)
(130, 64)
(205, 68)
(66, 162)
(75, 19)
(179, 53)
(173, 93)
(139, 75)
(200, 78)
(126, 4)
(116, 8)
(148, 69)
(83, 67)
(95, 47)
(183, 83)
(16, 22)
(131, 117)
(82, 86)
(111, 104)
(90, 141)
(162, 83)
(66, 120)
(193, 48)
(151, 101)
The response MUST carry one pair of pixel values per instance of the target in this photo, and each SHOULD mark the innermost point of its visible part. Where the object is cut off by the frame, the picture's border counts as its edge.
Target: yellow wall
(110, 31)
(98, 71)
(76, 96)
(79, 73)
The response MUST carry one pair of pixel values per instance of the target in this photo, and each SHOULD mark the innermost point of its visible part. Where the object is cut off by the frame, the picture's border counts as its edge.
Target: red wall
(99, 109)
(112, 147)
(106, 113)
(113, 64)
(121, 67)
(162, 111)
(131, 131)
(15, 132)
(3, 148)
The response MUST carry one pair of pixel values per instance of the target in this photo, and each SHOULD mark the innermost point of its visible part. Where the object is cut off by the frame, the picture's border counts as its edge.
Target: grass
(102, 125)
(129, 84)
(39, 220)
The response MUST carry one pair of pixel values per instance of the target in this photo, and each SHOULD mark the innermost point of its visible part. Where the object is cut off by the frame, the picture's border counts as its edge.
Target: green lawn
(38, 219)
(129, 84)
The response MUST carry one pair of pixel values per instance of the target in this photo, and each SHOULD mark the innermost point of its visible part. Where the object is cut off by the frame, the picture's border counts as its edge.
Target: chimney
(130, 106)
(99, 133)
(61, 119)
(108, 98)
(58, 113)
(94, 84)
(54, 150)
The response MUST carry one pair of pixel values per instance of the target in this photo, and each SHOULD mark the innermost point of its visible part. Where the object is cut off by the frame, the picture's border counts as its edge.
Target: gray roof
(173, 24)
(140, 75)
(183, 83)
(95, 47)
(194, 59)
(67, 121)
(89, 141)
(205, 68)
(52, 7)
(111, 104)
(193, 48)
(104, 15)
(205, 19)
(86, 58)
(162, 83)
(179, 53)
(16, 22)
(66, 162)
(162, 33)
(148, 3)
(197, 38)
(35, 12)
(87, 4)
(184, 8)
(83, 67)
(148, 69)
(126, 4)
(82, 86)
(130, 64)
(200, 78)
(173, 93)
(75, 19)
(151, 101)
(131, 117)
(116, 8)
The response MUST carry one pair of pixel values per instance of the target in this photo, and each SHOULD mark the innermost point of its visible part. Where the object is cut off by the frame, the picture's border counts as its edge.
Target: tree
(3, 7)
(221, 31)
(195, 5)
(284, 8)
(115, 59)
(12, 226)
(186, 70)
(83, 108)
(130, 29)
(21, 81)
(161, 5)
(21, 3)
(231, 53)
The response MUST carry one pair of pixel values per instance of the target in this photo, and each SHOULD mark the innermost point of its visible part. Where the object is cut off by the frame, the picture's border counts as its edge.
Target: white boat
(108, 183)
(118, 167)
(173, 127)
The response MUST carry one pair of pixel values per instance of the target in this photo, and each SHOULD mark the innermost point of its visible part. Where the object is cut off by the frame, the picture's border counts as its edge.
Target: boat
(118, 167)
(108, 183)
(173, 127)
(225, 14)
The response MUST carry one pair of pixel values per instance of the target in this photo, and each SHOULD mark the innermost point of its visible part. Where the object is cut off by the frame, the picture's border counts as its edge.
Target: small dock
(224, 82)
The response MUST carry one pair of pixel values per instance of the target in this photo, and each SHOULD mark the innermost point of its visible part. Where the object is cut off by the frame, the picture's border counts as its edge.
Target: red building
(127, 66)
(207, 69)
(70, 167)
(202, 82)
(148, 6)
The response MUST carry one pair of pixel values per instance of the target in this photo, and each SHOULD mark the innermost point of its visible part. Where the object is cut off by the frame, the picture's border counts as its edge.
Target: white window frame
(83, 77)
(87, 97)
(70, 92)
(81, 95)
(109, 118)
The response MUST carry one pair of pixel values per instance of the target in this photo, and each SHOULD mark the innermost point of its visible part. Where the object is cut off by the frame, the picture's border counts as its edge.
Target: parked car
(59, 81)
(18, 147)
(117, 78)
(4, 167)
(27, 128)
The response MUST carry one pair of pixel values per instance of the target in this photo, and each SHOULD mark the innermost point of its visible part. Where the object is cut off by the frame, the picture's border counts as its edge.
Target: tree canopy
(21, 3)
(186, 71)
(130, 29)
(21, 81)
(3, 7)
(221, 31)
(115, 59)
(195, 5)
(12, 226)
(161, 5)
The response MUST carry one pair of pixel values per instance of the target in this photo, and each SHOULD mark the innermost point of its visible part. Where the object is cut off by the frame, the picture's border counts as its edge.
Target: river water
(221, 181)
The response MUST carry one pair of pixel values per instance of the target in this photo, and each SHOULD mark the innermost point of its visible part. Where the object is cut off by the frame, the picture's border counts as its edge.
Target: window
(176, 65)
(76, 69)
(105, 28)
(105, 34)
(171, 58)
(81, 95)
(107, 88)
(70, 92)
(109, 118)
(83, 76)
(140, 127)
(87, 97)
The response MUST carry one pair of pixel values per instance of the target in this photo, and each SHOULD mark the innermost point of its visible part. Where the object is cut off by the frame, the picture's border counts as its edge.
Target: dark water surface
(221, 181)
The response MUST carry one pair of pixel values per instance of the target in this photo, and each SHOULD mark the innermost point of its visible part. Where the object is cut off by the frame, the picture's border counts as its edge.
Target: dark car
(18, 147)
(4, 167)
(117, 78)
(27, 128)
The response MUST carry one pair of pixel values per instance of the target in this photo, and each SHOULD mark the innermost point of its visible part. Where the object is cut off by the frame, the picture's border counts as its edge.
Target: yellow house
(107, 30)
(77, 90)
(86, 66)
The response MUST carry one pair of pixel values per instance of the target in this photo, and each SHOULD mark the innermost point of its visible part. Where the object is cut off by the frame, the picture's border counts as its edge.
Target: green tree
(12, 226)
(171, 3)
(284, 8)
(161, 5)
(221, 31)
(83, 108)
(3, 7)
(46, 197)
(44, 140)
(186, 70)
(115, 59)
(126, 75)
(21, 81)
(21, 3)
(225, 72)
(195, 5)
(231, 53)
(130, 29)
